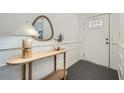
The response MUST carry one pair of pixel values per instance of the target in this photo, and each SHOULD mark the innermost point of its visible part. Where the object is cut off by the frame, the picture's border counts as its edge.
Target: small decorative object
(59, 39)
(28, 31)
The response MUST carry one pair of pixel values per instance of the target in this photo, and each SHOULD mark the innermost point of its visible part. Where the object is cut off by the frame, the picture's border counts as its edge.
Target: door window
(96, 24)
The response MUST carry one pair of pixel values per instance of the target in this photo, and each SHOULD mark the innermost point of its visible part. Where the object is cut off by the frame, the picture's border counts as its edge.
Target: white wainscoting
(119, 58)
(114, 56)
(121, 62)
(41, 67)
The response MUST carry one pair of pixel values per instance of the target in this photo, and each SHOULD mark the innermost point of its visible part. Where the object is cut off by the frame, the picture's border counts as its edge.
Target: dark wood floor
(84, 70)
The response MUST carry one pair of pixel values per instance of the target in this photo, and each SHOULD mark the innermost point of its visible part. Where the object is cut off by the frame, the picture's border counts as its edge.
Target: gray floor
(84, 70)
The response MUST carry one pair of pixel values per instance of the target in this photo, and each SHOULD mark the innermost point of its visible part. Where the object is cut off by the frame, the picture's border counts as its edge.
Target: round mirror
(43, 26)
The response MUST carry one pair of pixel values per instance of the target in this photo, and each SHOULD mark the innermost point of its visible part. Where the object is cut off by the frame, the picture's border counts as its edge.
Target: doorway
(97, 39)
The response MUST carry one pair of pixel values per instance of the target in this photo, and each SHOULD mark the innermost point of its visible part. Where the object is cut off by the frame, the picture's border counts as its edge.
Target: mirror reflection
(43, 26)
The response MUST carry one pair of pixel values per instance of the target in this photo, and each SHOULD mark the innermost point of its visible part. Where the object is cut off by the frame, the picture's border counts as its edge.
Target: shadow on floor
(85, 70)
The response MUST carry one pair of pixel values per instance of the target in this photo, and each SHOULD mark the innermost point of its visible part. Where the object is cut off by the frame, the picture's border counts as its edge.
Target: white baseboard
(119, 74)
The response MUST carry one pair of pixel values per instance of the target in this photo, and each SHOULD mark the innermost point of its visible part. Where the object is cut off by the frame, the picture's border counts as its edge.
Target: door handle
(107, 43)
(106, 39)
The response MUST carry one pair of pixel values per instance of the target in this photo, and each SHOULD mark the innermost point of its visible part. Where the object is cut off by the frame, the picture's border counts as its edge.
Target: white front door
(97, 39)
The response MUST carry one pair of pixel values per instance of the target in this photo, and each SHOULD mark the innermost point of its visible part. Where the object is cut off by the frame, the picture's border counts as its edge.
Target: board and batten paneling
(67, 24)
(121, 61)
(121, 46)
(41, 67)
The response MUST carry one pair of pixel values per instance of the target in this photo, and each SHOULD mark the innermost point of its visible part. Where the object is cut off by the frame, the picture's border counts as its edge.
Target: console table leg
(23, 71)
(64, 66)
(55, 58)
(30, 71)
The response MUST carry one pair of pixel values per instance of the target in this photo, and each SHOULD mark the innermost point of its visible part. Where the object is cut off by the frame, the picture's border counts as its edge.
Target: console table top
(35, 56)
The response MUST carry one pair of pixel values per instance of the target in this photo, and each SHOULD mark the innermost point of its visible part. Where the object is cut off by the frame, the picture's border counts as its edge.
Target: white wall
(117, 43)
(117, 46)
(121, 46)
(114, 37)
(67, 24)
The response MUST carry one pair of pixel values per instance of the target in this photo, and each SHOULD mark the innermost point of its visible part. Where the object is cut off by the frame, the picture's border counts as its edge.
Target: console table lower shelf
(56, 75)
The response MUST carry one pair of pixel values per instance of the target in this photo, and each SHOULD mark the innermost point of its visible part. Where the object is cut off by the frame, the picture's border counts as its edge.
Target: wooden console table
(56, 75)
